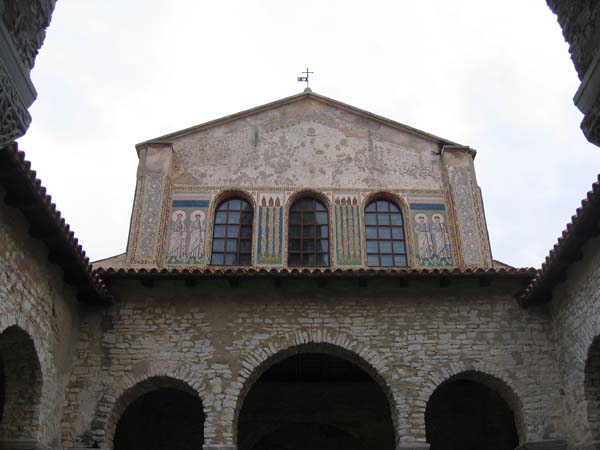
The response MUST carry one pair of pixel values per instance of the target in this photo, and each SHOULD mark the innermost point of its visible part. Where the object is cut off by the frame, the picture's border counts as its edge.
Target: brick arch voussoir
(129, 387)
(279, 347)
(491, 375)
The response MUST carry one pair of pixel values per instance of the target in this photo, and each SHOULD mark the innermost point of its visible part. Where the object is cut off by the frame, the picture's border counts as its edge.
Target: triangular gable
(307, 94)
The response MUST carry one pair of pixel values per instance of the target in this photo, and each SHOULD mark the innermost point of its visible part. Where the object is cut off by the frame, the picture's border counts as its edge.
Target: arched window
(386, 245)
(308, 237)
(232, 233)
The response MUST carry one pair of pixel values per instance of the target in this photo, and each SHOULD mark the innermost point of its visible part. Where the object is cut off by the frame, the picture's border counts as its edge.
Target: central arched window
(308, 237)
(232, 233)
(386, 245)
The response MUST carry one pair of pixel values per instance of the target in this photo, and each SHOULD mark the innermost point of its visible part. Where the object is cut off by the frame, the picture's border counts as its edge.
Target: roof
(582, 227)
(109, 273)
(25, 192)
(307, 94)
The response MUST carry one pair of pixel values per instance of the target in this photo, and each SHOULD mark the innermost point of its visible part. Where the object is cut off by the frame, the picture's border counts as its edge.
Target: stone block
(550, 444)
(22, 444)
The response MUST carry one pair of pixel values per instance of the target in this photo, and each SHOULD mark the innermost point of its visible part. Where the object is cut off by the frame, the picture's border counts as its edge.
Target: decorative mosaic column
(150, 205)
(466, 207)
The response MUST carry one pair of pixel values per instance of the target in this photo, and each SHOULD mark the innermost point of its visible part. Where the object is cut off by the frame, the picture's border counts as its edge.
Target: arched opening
(592, 388)
(20, 385)
(164, 415)
(465, 413)
(315, 400)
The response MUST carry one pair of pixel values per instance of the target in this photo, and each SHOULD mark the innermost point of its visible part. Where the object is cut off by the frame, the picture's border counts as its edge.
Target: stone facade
(307, 143)
(218, 340)
(38, 330)
(70, 370)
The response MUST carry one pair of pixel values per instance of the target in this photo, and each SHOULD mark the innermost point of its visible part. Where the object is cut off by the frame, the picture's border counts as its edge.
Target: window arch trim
(400, 203)
(219, 199)
(321, 198)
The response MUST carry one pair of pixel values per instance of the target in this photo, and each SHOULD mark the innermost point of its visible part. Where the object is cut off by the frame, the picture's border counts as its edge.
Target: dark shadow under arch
(592, 388)
(315, 396)
(473, 411)
(159, 413)
(21, 385)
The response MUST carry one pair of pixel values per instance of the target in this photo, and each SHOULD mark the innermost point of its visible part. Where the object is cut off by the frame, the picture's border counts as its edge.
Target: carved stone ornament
(14, 117)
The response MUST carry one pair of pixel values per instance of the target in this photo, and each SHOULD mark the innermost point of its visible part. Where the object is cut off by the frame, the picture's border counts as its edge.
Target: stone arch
(24, 323)
(22, 385)
(132, 386)
(334, 343)
(488, 375)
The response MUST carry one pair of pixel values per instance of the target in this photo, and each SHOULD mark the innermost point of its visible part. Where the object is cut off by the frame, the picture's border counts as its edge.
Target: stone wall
(580, 23)
(218, 340)
(35, 301)
(576, 322)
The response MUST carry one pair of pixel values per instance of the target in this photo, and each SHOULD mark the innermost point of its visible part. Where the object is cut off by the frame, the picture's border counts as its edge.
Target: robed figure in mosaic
(424, 241)
(197, 232)
(441, 242)
(177, 239)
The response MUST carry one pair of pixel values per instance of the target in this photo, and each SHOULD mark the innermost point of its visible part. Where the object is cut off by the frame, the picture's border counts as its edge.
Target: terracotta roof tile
(568, 249)
(25, 192)
(320, 272)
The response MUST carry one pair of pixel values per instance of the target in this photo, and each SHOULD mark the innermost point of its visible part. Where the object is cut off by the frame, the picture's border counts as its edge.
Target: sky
(496, 76)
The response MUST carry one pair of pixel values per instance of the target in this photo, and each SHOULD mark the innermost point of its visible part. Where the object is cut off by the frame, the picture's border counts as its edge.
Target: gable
(307, 140)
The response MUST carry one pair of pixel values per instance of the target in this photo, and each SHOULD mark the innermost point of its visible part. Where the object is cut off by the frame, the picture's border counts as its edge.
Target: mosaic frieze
(465, 205)
(151, 207)
(186, 238)
(431, 234)
(347, 227)
(270, 230)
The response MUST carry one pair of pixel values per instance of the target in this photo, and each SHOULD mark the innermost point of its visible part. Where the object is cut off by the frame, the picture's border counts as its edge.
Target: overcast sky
(496, 76)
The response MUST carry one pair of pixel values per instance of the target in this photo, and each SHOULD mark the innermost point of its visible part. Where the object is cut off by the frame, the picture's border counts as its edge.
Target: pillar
(466, 207)
(144, 247)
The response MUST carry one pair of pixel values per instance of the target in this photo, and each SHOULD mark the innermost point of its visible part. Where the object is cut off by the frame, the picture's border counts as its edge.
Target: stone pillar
(550, 444)
(466, 207)
(150, 207)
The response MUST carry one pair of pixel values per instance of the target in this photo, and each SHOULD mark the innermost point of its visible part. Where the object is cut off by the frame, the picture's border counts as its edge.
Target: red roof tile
(583, 226)
(25, 192)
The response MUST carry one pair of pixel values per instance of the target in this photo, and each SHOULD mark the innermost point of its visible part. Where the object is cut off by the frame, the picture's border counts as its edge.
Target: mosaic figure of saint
(441, 242)
(197, 233)
(424, 242)
(178, 235)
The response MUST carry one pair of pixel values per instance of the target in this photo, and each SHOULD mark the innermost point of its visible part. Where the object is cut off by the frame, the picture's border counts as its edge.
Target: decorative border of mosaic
(191, 248)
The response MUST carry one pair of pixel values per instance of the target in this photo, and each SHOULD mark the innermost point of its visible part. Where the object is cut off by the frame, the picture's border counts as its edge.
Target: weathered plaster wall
(34, 298)
(576, 321)
(270, 157)
(215, 338)
(307, 143)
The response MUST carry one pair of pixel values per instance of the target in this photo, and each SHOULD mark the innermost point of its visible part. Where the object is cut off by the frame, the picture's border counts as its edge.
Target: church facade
(301, 275)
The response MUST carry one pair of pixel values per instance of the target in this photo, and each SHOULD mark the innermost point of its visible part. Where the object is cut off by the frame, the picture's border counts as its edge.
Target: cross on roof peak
(304, 79)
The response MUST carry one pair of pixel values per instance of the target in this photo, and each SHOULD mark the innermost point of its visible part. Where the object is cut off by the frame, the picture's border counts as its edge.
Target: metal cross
(305, 79)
